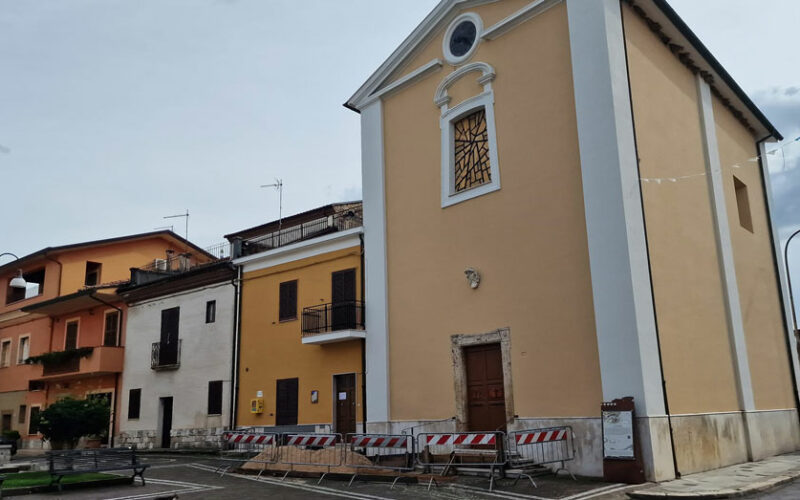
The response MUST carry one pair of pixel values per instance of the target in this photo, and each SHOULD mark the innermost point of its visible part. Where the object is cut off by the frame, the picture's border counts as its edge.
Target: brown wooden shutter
(288, 301)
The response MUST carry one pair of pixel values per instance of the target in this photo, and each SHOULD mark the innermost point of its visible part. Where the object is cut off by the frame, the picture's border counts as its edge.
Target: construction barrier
(321, 450)
(393, 452)
(535, 447)
(462, 449)
(257, 447)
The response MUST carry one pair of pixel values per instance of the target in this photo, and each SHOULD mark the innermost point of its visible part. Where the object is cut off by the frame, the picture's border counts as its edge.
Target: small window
(34, 287)
(92, 273)
(71, 336)
(215, 397)
(134, 403)
(288, 301)
(23, 350)
(111, 333)
(211, 311)
(5, 353)
(462, 37)
(33, 425)
(23, 410)
(35, 385)
(743, 204)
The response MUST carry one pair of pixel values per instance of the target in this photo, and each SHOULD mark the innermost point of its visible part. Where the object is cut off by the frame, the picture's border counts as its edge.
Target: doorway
(166, 421)
(343, 298)
(286, 402)
(6, 425)
(345, 403)
(105, 398)
(486, 402)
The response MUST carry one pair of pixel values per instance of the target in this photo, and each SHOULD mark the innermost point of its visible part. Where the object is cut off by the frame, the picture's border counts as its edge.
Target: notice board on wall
(618, 434)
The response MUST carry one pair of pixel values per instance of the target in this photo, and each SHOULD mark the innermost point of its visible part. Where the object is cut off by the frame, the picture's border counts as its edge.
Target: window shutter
(215, 397)
(134, 403)
(288, 300)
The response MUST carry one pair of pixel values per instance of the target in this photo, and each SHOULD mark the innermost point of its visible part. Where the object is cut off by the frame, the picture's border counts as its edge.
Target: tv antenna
(278, 185)
(186, 235)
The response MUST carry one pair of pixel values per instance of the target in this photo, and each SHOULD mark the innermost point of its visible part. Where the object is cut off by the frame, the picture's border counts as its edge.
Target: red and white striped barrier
(461, 438)
(379, 441)
(311, 439)
(245, 438)
(530, 437)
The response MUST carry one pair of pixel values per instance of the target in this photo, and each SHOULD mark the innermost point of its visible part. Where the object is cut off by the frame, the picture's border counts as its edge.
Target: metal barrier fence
(394, 452)
(462, 449)
(321, 450)
(532, 447)
(255, 447)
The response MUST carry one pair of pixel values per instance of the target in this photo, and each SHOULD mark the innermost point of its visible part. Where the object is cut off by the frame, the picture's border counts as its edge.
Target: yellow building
(594, 174)
(300, 360)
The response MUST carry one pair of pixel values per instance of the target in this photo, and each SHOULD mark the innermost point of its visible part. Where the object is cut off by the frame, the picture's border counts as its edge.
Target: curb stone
(752, 488)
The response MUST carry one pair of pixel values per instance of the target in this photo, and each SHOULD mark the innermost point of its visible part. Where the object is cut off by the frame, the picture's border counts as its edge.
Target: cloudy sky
(114, 114)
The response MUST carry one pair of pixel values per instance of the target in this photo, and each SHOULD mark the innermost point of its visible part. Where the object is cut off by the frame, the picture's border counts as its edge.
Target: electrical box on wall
(257, 405)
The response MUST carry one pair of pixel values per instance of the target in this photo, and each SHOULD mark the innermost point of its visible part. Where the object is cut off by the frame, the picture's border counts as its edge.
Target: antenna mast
(278, 185)
(186, 234)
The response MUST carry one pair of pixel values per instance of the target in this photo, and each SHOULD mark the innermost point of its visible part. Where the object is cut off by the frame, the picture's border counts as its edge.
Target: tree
(66, 421)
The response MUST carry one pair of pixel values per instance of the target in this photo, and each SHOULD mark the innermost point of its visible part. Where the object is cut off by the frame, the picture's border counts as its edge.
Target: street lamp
(789, 280)
(18, 281)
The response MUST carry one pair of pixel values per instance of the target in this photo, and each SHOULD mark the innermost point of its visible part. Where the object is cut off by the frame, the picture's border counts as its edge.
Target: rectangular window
(111, 334)
(5, 353)
(743, 203)
(34, 286)
(71, 335)
(92, 273)
(288, 301)
(211, 311)
(134, 403)
(33, 425)
(23, 410)
(215, 397)
(23, 349)
(35, 385)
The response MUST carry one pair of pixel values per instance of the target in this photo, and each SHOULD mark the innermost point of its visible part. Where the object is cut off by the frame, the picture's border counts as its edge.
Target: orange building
(63, 333)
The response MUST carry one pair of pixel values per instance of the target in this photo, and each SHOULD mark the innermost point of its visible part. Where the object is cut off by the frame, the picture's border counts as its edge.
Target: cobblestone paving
(194, 477)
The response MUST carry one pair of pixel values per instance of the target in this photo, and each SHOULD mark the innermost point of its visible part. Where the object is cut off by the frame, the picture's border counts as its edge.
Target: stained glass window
(471, 141)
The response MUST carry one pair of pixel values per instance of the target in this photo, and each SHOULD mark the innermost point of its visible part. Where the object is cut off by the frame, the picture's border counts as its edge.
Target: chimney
(185, 261)
(170, 257)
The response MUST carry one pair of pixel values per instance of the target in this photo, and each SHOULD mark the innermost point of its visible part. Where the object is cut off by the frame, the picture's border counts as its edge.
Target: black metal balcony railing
(165, 356)
(333, 317)
(341, 221)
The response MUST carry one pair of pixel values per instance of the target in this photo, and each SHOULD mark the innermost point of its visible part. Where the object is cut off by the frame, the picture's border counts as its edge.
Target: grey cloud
(791, 91)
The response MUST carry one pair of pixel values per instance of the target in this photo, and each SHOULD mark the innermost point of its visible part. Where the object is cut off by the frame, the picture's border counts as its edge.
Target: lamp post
(18, 281)
(789, 281)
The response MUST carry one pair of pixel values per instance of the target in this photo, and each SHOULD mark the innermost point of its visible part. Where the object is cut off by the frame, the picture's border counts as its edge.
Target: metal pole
(789, 281)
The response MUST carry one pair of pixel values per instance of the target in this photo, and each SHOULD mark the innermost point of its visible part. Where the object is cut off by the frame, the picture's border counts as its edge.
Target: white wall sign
(618, 434)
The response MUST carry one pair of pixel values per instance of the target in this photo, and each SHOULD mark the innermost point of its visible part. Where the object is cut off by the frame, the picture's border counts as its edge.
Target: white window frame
(449, 56)
(20, 360)
(449, 116)
(5, 363)
(77, 337)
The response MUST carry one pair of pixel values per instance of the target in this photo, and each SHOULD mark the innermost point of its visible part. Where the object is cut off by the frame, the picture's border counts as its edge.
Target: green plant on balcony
(58, 358)
(66, 421)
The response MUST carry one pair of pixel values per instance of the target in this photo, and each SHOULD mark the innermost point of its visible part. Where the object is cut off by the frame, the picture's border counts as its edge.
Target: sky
(114, 114)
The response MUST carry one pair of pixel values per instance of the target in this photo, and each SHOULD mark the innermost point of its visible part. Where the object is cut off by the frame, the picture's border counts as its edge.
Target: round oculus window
(463, 38)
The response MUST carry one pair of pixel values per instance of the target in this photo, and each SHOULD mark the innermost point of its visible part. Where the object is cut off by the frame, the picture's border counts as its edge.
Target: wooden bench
(71, 462)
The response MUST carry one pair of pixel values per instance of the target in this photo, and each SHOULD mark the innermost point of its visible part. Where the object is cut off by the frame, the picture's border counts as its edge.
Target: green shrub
(66, 421)
(11, 435)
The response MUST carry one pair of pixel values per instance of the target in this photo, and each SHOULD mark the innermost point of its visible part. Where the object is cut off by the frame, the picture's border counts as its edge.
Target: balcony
(165, 355)
(336, 322)
(103, 360)
(340, 221)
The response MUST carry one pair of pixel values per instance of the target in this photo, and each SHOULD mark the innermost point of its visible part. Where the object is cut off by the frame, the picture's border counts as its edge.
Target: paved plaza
(195, 477)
